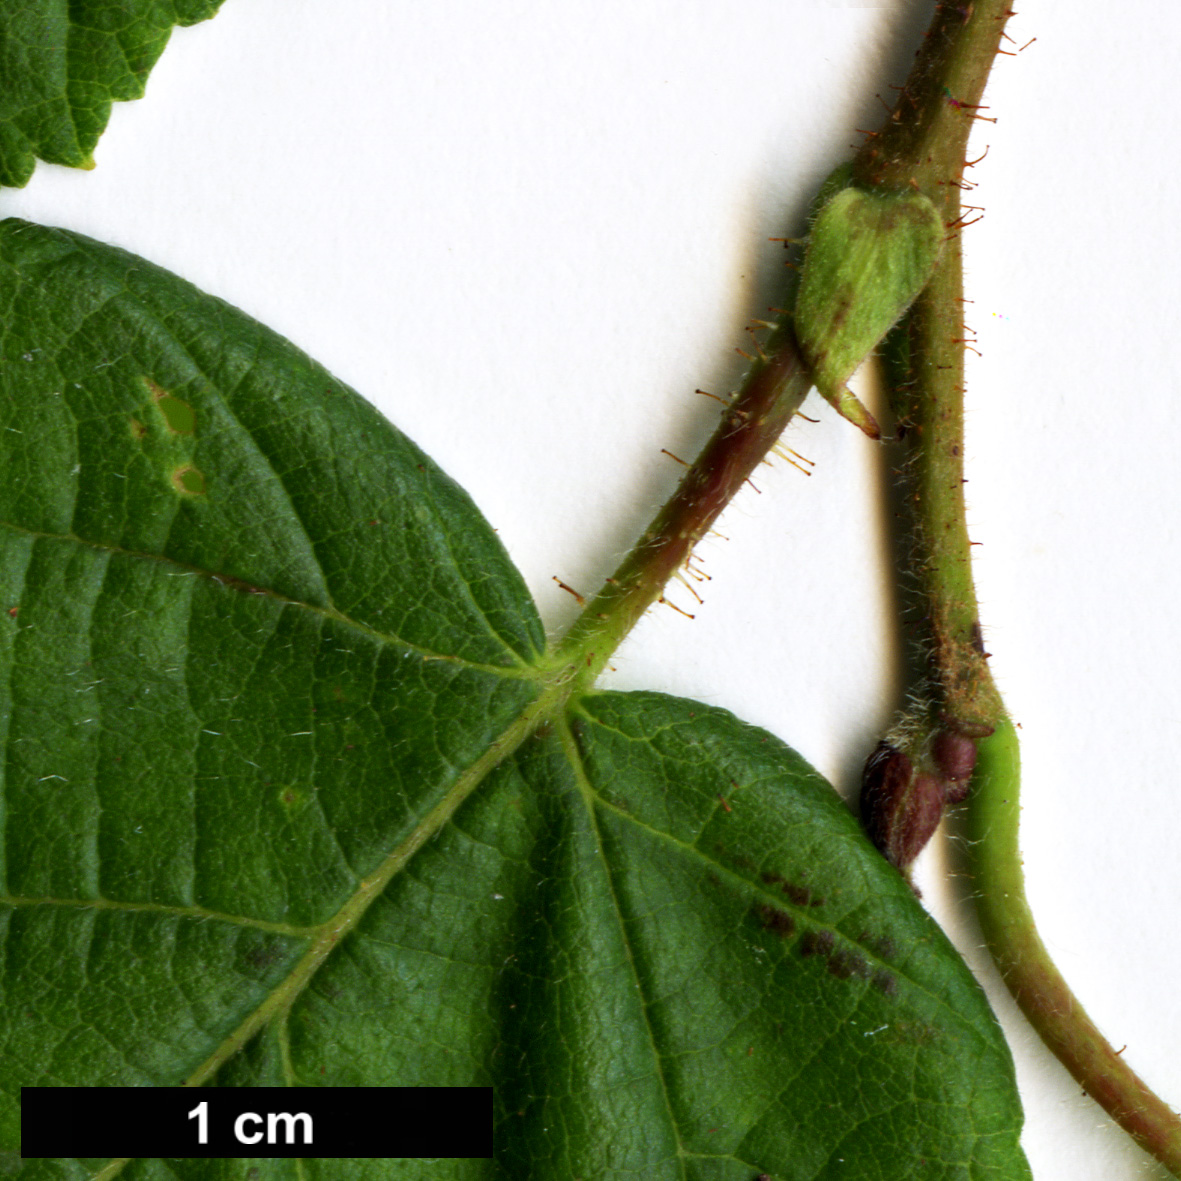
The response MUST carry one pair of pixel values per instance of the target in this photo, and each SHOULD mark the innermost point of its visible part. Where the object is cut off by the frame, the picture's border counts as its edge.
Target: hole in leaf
(189, 480)
(179, 417)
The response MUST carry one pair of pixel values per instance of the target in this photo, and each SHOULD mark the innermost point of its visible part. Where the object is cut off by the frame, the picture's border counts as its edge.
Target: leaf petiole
(775, 386)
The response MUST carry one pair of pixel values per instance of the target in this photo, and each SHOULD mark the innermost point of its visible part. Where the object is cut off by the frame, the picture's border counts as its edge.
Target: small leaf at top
(63, 65)
(869, 255)
(290, 798)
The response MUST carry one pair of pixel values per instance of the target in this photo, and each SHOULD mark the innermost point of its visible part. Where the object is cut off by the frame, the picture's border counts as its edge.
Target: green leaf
(63, 65)
(292, 796)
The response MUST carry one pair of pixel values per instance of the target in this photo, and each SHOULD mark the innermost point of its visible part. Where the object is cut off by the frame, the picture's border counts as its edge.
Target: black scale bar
(324, 1123)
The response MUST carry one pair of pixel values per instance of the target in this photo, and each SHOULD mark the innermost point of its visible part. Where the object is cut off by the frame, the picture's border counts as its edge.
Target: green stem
(923, 144)
(1029, 972)
(775, 385)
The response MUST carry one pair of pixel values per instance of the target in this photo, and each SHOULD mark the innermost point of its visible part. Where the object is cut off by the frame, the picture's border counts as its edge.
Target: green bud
(869, 255)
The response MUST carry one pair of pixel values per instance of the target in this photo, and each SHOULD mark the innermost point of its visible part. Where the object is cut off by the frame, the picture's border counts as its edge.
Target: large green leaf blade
(289, 799)
(63, 65)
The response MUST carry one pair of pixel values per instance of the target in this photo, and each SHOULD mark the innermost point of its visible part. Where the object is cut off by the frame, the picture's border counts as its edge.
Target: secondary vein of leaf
(188, 912)
(773, 897)
(754, 889)
(518, 671)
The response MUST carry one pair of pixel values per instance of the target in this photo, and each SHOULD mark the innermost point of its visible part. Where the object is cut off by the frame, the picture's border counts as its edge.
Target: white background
(528, 231)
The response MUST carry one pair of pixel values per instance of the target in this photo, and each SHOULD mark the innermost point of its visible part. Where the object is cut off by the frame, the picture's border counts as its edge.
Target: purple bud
(955, 758)
(899, 809)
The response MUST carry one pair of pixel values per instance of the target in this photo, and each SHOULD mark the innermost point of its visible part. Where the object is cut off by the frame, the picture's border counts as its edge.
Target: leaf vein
(777, 899)
(259, 450)
(193, 912)
(574, 754)
(228, 581)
